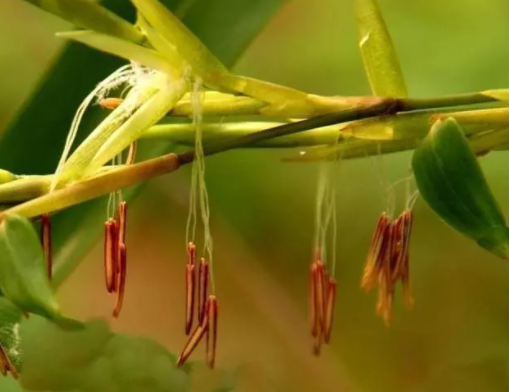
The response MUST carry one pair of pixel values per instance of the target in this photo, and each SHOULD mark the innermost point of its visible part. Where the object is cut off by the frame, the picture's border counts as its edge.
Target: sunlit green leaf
(378, 54)
(451, 181)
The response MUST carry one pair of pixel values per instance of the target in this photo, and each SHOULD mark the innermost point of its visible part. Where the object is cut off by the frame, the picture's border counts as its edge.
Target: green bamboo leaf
(91, 15)
(23, 275)
(378, 53)
(121, 48)
(451, 181)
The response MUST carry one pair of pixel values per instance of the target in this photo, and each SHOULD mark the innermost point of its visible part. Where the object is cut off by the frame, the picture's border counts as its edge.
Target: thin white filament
(199, 194)
(120, 76)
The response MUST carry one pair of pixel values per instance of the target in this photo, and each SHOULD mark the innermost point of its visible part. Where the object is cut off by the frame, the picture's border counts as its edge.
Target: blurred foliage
(456, 339)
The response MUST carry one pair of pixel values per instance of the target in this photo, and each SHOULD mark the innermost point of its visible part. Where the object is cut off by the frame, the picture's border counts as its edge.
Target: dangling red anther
(46, 243)
(121, 279)
(203, 288)
(320, 293)
(195, 338)
(110, 254)
(190, 286)
(212, 316)
(318, 304)
(122, 222)
(329, 310)
(313, 316)
(401, 265)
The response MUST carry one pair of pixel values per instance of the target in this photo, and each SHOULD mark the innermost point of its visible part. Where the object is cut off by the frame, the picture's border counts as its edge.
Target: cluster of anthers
(388, 262)
(202, 304)
(322, 298)
(115, 255)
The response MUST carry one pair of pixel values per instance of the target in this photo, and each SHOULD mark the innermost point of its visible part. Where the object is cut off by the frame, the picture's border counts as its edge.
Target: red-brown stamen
(320, 293)
(211, 341)
(318, 305)
(122, 274)
(46, 243)
(190, 286)
(110, 254)
(203, 288)
(330, 305)
(190, 290)
(313, 316)
(386, 284)
(122, 222)
(402, 269)
(191, 344)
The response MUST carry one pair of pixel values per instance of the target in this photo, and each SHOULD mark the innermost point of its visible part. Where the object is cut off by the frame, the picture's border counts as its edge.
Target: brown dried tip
(329, 311)
(110, 255)
(203, 288)
(190, 293)
(195, 338)
(46, 243)
(211, 341)
(121, 279)
(110, 103)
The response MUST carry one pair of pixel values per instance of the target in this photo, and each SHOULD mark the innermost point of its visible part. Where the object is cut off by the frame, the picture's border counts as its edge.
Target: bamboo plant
(176, 84)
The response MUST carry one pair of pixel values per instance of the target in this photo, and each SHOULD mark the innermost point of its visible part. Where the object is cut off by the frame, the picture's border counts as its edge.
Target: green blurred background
(456, 338)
